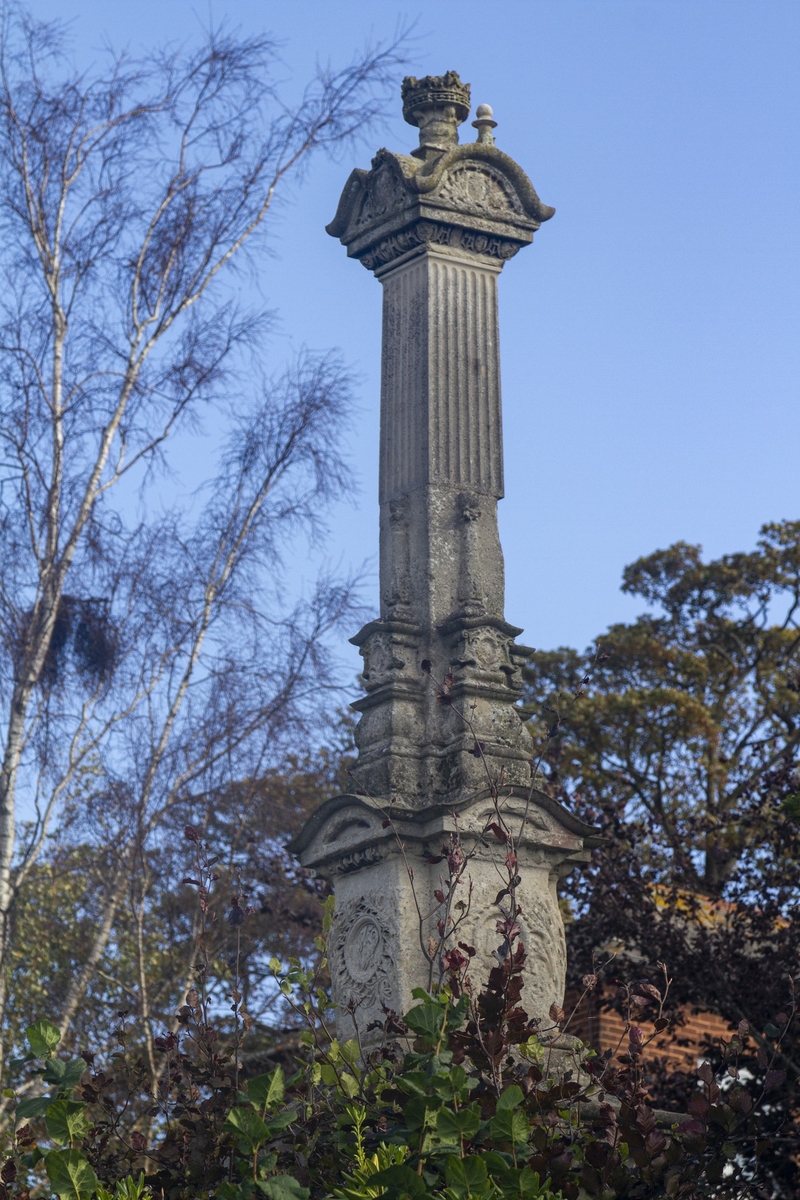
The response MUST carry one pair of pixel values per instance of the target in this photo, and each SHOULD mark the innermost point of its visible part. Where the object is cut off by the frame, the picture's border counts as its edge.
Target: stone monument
(440, 740)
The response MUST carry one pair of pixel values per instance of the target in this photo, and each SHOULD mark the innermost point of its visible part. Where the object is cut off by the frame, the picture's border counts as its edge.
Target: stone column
(442, 669)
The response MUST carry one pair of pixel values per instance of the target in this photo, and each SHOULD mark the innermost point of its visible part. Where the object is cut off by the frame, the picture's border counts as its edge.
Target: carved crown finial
(437, 104)
(484, 124)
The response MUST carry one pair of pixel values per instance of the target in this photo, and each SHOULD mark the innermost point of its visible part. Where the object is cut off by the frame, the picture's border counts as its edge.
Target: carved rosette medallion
(362, 960)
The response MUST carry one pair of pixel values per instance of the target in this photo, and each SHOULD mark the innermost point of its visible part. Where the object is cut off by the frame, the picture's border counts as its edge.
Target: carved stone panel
(362, 961)
(474, 187)
(542, 935)
(384, 194)
(381, 660)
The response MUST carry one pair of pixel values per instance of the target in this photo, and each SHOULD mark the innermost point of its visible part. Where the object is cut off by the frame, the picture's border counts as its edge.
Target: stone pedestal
(439, 726)
(382, 925)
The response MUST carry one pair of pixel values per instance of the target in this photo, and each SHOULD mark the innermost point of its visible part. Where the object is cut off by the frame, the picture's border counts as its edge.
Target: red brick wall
(679, 1047)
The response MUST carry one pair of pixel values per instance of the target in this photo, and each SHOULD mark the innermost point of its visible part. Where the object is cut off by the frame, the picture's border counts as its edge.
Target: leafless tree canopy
(143, 661)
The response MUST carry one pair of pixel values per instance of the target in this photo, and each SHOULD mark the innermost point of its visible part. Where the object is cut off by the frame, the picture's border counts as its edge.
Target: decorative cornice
(406, 821)
(432, 233)
(471, 198)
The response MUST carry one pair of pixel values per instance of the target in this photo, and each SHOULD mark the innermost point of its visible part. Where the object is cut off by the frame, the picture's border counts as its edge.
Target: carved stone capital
(470, 199)
(390, 650)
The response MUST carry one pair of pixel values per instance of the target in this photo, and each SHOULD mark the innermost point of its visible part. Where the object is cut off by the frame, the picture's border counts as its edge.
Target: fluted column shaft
(441, 565)
(441, 456)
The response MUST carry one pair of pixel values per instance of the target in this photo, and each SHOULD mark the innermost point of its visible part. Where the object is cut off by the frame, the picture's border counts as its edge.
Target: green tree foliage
(678, 734)
(689, 706)
(150, 961)
(461, 1099)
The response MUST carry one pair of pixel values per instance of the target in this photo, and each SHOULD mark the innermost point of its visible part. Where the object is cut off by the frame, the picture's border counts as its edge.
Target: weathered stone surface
(379, 934)
(436, 228)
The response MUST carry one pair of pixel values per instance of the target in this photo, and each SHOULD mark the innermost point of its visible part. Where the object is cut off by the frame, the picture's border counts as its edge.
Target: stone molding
(472, 198)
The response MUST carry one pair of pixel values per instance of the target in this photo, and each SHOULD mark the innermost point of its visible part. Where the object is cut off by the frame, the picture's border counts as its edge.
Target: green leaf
(283, 1187)
(467, 1176)
(248, 1127)
(14, 1064)
(497, 1163)
(327, 914)
(132, 1189)
(427, 1020)
(509, 1126)
(413, 1081)
(266, 1091)
(452, 1126)
(512, 1097)
(65, 1074)
(33, 1108)
(234, 1191)
(791, 805)
(530, 1185)
(419, 1111)
(66, 1121)
(279, 1122)
(42, 1039)
(351, 1052)
(54, 1071)
(399, 1181)
(70, 1174)
(448, 1084)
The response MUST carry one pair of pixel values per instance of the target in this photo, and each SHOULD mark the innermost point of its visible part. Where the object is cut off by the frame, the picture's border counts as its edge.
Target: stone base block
(382, 863)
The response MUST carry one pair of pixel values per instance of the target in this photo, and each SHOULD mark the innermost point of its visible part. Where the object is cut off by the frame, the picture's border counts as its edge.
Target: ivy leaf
(66, 1121)
(42, 1039)
(248, 1127)
(266, 1091)
(70, 1174)
(283, 1187)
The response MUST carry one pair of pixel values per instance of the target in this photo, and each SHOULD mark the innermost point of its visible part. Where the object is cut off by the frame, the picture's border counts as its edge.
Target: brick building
(679, 1048)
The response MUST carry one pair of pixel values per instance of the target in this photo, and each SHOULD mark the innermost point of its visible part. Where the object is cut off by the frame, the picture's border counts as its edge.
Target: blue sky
(650, 336)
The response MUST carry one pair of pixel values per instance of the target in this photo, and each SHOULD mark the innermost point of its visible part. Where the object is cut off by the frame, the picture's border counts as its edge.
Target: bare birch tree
(127, 197)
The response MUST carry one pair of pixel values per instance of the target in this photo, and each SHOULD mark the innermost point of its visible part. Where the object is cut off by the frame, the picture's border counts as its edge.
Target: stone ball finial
(437, 105)
(484, 124)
